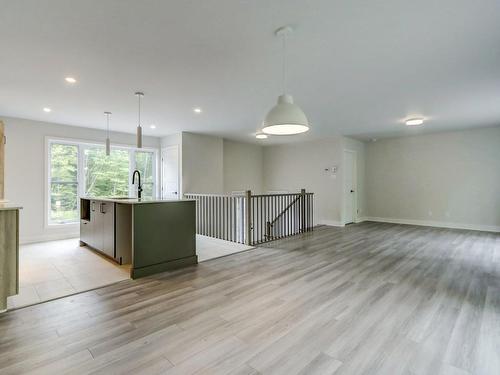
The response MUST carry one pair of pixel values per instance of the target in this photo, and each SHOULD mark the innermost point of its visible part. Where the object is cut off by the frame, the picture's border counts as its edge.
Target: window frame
(82, 144)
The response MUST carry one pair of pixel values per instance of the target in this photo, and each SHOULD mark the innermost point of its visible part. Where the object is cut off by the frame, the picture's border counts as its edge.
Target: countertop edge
(135, 201)
(10, 208)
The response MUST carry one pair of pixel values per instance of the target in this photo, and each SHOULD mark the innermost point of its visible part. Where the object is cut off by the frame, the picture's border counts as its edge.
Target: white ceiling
(357, 68)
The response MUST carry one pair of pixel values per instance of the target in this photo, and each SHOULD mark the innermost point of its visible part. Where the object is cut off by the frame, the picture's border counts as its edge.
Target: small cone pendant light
(286, 117)
(108, 142)
(139, 127)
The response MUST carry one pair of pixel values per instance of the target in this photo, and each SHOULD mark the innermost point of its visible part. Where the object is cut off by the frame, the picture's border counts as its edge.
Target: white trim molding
(437, 224)
(24, 240)
(331, 223)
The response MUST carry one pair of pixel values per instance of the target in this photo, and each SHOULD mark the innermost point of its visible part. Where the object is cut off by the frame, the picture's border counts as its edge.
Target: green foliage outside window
(106, 176)
(64, 183)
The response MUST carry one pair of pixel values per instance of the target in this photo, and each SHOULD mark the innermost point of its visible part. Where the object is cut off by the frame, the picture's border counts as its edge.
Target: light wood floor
(366, 299)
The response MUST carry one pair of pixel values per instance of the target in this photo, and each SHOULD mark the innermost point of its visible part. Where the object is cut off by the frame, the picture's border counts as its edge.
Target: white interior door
(170, 172)
(349, 186)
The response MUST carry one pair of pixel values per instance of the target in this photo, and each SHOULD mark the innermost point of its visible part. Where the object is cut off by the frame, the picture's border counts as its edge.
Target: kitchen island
(9, 252)
(151, 235)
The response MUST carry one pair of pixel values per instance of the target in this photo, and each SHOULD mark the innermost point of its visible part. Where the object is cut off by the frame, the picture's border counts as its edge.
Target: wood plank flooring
(370, 298)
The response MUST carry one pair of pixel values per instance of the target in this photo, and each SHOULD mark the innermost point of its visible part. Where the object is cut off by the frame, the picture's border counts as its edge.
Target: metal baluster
(227, 219)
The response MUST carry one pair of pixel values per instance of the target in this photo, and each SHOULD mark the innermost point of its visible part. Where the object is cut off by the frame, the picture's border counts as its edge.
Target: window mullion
(130, 171)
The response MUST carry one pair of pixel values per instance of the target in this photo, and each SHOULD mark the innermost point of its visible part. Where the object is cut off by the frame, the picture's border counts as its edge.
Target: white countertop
(4, 206)
(136, 201)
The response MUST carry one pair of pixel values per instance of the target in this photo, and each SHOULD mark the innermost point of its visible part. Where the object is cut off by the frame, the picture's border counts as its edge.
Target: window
(82, 169)
(106, 176)
(144, 164)
(63, 183)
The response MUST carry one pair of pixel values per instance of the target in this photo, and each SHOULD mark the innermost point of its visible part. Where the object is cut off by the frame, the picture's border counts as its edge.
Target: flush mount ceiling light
(197, 110)
(414, 121)
(152, 126)
(139, 127)
(261, 136)
(285, 118)
(47, 109)
(70, 80)
(108, 142)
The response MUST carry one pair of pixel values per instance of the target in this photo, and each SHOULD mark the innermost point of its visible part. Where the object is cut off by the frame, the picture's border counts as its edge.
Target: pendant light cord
(284, 64)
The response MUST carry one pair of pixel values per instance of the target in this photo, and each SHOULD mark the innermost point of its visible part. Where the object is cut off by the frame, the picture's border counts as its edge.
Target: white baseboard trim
(23, 240)
(437, 224)
(331, 223)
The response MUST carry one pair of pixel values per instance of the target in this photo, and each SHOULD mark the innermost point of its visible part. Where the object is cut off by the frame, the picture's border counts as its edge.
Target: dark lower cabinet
(107, 225)
(97, 226)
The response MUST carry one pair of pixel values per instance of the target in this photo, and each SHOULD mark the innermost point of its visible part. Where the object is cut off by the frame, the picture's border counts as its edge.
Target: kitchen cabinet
(9, 253)
(151, 235)
(97, 226)
(107, 219)
(2, 160)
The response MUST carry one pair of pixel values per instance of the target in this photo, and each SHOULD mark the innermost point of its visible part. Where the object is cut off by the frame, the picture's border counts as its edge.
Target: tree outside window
(106, 176)
(63, 183)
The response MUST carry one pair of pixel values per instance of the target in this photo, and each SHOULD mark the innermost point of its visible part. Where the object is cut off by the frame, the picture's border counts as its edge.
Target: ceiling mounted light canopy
(414, 121)
(286, 117)
(108, 142)
(261, 136)
(139, 127)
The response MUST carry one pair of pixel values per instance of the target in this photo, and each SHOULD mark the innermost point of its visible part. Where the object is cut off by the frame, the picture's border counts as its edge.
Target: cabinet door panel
(85, 231)
(108, 234)
(93, 211)
(97, 224)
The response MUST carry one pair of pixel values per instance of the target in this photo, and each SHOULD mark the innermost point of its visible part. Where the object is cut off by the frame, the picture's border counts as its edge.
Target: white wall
(302, 165)
(171, 140)
(243, 167)
(202, 164)
(448, 179)
(25, 170)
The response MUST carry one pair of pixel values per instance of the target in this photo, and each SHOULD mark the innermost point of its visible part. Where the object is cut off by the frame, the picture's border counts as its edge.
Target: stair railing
(253, 219)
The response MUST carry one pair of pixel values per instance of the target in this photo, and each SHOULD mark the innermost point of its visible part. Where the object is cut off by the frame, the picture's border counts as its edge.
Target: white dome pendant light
(108, 142)
(139, 127)
(285, 118)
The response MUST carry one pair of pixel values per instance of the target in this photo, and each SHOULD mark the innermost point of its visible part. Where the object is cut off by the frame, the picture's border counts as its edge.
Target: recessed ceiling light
(197, 110)
(152, 126)
(261, 136)
(70, 80)
(414, 121)
(47, 109)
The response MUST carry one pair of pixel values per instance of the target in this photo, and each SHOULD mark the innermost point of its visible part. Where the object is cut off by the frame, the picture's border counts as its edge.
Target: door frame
(355, 186)
(162, 162)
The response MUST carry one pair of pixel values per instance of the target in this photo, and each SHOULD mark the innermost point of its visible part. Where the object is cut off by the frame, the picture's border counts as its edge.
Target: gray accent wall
(202, 164)
(243, 167)
(215, 165)
(447, 179)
